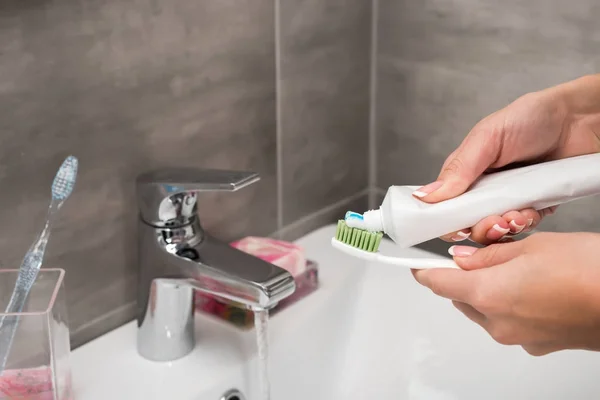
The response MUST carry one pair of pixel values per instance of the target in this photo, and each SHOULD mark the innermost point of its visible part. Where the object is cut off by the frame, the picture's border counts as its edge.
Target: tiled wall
(444, 65)
(133, 85)
(324, 99)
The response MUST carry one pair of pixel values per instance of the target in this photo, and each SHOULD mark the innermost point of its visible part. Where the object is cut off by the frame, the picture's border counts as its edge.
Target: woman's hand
(559, 122)
(542, 292)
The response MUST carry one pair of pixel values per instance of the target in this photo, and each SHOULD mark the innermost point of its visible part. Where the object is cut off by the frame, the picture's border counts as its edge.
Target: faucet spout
(217, 268)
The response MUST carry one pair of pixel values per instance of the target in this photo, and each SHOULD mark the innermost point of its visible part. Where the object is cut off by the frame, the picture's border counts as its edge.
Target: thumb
(478, 152)
(471, 258)
(450, 283)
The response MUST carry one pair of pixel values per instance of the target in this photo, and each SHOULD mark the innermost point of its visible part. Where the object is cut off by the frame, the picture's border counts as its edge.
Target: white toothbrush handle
(417, 263)
(413, 263)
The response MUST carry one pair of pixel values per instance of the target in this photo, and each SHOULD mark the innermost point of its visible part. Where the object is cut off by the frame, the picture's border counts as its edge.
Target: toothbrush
(62, 186)
(364, 244)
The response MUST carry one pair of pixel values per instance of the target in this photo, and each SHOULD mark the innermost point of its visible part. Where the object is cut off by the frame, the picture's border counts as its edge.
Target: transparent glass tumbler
(37, 367)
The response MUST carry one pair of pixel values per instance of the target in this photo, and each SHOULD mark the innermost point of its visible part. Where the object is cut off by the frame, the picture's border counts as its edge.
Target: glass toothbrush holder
(37, 367)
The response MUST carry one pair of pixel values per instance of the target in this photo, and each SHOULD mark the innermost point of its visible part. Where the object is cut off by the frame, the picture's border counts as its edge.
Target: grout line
(372, 157)
(278, 126)
(103, 317)
(320, 212)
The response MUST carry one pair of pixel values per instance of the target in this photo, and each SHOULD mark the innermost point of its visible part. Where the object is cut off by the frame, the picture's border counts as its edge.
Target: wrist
(580, 96)
(578, 101)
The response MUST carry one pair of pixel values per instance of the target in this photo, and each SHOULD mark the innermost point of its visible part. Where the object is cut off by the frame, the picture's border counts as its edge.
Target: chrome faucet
(176, 256)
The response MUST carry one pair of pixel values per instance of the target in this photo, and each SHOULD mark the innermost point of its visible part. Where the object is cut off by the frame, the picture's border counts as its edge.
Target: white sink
(369, 332)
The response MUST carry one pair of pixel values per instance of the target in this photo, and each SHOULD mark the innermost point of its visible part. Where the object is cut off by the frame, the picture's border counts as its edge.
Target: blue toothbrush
(62, 186)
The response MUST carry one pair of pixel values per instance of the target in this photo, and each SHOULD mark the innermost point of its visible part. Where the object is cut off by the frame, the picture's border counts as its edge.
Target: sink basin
(369, 332)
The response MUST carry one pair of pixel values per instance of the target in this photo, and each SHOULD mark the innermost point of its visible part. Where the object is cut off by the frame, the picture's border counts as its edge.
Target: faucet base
(167, 331)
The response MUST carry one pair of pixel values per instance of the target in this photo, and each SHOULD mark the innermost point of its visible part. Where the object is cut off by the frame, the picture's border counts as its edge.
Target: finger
(538, 216)
(533, 218)
(548, 211)
(517, 222)
(542, 350)
(471, 313)
(478, 151)
(452, 284)
(486, 232)
(489, 230)
(457, 236)
(470, 258)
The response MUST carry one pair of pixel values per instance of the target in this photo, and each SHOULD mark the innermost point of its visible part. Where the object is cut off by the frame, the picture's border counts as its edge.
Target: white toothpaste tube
(408, 220)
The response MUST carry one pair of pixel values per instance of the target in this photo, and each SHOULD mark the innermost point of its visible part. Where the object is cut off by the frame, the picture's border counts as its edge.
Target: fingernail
(427, 189)
(497, 232)
(462, 251)
(516, 228)
(529, 223)
(461, 235)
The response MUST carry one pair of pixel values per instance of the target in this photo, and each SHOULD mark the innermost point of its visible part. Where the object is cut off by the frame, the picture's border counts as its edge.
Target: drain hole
(233, 394)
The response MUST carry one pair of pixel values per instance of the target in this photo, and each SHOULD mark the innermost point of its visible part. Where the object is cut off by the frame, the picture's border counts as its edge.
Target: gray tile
(323, 217)
(512, 39)
(103, 324)
(444, 66)
(129, 86)
(376, 196)
(324, 90)
(424, 113)
(578, 216)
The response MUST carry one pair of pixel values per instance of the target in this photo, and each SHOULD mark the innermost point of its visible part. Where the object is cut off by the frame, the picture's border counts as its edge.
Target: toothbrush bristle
(64, 181)
(361, 239)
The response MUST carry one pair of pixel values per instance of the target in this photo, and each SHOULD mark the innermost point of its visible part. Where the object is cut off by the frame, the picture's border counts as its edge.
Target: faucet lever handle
(167, 197)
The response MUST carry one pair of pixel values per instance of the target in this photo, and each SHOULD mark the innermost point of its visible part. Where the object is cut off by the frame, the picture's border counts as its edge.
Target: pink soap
(283, 254)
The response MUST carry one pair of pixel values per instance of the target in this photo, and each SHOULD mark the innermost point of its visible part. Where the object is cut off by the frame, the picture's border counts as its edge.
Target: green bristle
(340, 228)
(367, 245)
(378, 240)
(353, 237)
(346, 235)
(363, 240)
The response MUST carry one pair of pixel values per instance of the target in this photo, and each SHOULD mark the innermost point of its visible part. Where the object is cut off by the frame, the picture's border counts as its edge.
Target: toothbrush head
(358, 238)
(64, 181)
